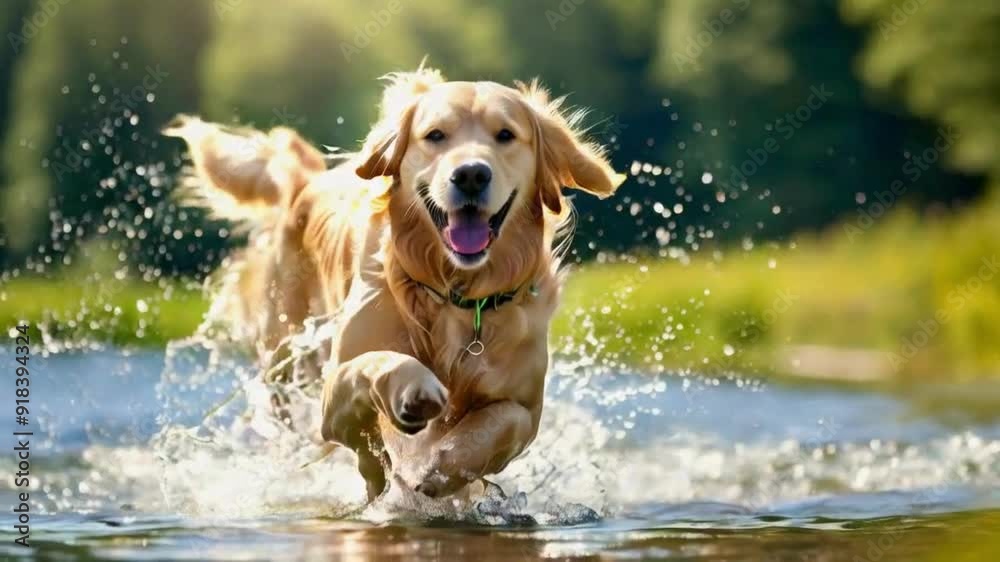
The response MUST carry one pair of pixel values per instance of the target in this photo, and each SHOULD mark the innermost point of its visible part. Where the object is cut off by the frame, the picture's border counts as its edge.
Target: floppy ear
(385, 146)
(386, 143)
(564, 159)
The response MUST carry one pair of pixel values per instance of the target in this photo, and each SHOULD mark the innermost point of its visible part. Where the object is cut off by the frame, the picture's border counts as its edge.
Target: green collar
(493, 301)
(454, 297)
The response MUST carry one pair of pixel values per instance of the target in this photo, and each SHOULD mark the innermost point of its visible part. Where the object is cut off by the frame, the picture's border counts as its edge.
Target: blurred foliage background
(776, 134)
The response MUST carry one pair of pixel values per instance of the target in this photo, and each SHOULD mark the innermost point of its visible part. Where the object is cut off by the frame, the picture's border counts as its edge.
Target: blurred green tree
(736, 118)
(82, 151)
(941, 59)
(12, 25)
(798, 142)
(316, 68)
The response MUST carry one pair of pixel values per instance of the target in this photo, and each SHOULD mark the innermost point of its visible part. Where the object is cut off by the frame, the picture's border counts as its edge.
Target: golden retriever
(432, 246)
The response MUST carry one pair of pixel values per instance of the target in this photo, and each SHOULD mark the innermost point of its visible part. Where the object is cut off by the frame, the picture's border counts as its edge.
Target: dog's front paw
(438, 482)
(419, 402)
(410, 395)
(429, 488)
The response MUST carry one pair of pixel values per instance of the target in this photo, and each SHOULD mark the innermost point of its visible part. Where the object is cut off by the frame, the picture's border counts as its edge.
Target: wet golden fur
(358, 242)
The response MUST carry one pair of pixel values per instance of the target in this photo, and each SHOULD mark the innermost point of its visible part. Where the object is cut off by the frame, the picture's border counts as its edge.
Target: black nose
(472, 179)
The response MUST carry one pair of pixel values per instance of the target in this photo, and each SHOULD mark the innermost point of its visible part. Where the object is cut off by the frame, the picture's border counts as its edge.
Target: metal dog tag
(476, 348)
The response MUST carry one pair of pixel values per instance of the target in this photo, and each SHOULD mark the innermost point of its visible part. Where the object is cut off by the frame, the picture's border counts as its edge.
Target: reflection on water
(898, 538)
(131, 464)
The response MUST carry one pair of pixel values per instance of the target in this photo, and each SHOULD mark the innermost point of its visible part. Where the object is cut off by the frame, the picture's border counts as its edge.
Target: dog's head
(471, 156)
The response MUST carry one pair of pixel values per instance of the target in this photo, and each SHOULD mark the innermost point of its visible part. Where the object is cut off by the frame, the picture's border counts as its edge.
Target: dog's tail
(243, 175)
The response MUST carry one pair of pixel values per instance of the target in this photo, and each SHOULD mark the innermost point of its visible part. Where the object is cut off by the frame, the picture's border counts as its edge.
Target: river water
(150, 455)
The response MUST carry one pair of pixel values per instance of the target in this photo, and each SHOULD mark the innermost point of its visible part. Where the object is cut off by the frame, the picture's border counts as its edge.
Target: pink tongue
(468, 237)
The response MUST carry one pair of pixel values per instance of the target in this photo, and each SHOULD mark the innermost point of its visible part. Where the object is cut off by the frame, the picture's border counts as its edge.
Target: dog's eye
(505, 136)
(435, 136)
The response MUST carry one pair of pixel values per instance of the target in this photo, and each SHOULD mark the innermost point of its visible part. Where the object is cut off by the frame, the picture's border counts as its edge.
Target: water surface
(150, 456)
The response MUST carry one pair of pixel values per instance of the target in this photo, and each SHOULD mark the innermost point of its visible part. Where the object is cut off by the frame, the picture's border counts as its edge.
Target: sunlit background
(846, 152)
(813, 192)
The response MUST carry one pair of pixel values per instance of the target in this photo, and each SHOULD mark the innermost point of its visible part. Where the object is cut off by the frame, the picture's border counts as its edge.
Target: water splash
(609, 445)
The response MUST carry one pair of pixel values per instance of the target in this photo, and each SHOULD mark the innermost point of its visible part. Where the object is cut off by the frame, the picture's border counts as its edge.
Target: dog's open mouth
(468, 231)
